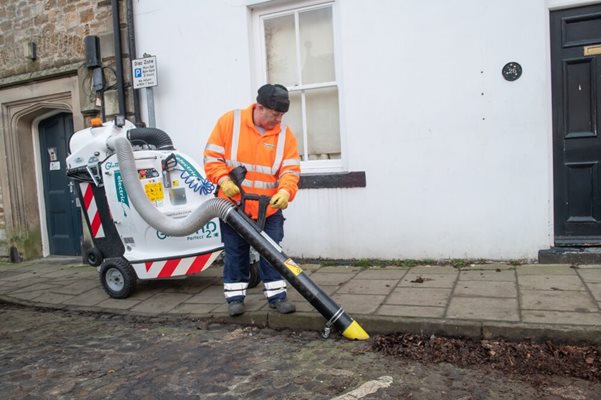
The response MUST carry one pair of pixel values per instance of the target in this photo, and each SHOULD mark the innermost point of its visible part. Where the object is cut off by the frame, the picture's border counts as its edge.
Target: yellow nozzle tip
(355, 332)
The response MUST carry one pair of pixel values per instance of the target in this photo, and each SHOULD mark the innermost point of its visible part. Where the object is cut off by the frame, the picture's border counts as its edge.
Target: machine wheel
(94, 256)
(255, 276)
(118, 277)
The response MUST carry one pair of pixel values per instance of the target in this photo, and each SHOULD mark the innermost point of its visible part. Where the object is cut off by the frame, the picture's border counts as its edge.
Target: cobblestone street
(70, 355)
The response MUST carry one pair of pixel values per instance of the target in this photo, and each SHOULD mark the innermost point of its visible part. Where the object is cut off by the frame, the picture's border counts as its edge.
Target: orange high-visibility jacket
(271, 159)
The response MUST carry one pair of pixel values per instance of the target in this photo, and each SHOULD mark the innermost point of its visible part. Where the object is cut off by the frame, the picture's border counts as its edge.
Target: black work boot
(235, 308)
(283, 306)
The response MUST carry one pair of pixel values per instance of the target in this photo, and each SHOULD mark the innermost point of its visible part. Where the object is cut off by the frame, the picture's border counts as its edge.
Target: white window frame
(269, 10)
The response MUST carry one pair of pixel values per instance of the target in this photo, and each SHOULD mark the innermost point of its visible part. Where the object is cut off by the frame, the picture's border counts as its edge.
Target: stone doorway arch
(22, 108)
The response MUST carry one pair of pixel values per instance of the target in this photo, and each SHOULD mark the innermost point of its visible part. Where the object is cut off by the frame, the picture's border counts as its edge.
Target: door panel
(576, 81)
(63, 218)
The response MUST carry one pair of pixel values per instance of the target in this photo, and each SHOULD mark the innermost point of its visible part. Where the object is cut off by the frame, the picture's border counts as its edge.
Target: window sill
(333, 180)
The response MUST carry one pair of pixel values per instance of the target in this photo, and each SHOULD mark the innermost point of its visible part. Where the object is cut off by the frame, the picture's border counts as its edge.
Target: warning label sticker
(154, 191)
(291, 265)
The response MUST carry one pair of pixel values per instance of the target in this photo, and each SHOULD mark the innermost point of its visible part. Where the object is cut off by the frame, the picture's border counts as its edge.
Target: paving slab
(561, 317)
(27, 295)
(161, 303)
(557, 300)
(197, 308)
(590, 274)
(545, 269)
(118, 304)
(6, 273)
(383, 273)
(61, 273)
(186, 287)
(368, 286)
(492, 266)
(359, 304)
(143, 292)
(419, 297)
(77, 287)
(52, 298)
(330, 278)
(337, 269)
(433, 269)
(486, 289)
(33, 288)
(7, 287)
(595, 289)
(92, 297)
(88, 273)
(480, 308)
(19, 277)
(487, 275)
(550, 282)
(428, 280)
(211, 295)
(411, 311)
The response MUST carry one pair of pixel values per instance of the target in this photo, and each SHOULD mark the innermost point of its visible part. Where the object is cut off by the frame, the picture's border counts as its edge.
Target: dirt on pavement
(526, 360)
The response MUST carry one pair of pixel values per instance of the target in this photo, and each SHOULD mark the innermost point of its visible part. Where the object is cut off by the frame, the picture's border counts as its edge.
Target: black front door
(63, 218)
(576, 85)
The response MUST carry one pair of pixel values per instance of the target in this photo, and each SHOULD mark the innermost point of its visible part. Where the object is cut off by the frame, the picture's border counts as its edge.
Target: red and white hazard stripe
(89, 203)
(174, 266)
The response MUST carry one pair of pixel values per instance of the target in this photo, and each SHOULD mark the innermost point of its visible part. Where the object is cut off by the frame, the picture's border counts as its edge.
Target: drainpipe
(131, 47)
(118, 56)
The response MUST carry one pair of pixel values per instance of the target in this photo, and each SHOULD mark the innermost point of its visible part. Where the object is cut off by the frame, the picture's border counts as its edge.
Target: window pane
(280, 50)
(317, 45)
(323, 129)
(293, 118)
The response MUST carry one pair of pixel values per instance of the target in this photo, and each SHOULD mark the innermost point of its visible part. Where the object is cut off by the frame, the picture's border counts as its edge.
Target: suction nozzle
(355, 332)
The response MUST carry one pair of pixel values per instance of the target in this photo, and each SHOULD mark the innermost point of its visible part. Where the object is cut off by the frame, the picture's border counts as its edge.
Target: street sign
(144, 72)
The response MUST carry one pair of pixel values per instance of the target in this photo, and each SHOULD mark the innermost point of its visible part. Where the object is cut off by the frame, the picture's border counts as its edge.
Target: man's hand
(230, 189)
(280, 199)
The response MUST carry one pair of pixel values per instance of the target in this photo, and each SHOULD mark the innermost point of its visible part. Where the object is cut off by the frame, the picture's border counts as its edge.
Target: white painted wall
(458, 160)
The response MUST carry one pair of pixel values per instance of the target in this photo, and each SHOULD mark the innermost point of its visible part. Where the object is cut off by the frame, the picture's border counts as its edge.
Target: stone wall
(3, 242)
(57, 27)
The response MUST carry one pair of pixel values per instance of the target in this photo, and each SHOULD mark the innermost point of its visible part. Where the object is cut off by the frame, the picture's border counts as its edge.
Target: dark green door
(63, 218)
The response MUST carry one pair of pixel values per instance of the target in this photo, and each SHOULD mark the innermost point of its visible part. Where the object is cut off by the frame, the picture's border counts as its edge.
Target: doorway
(63, 215)
(576, 87)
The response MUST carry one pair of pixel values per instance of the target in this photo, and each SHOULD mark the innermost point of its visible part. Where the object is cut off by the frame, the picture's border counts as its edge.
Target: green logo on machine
(120, 188)
(190, 170)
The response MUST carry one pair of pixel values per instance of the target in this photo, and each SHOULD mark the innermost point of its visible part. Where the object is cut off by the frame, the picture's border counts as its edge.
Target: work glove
(280, 199)
(229, 188)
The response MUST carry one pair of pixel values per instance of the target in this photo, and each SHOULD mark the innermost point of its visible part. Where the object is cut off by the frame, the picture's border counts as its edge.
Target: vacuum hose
(221, 208)
(154, 136)
(170, 226)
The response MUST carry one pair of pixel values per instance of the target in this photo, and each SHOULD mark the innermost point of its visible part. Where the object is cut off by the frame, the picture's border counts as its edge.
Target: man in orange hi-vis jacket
(255, 138)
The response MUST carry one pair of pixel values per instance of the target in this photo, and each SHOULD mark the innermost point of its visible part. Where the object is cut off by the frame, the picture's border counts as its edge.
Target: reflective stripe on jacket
(271, 159)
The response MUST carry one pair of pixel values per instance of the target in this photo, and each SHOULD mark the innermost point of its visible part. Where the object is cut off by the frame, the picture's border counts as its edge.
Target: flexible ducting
(208, 210)
(153, 136)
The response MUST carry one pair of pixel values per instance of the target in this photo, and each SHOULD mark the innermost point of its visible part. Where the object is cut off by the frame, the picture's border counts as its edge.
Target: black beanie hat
(274, 97)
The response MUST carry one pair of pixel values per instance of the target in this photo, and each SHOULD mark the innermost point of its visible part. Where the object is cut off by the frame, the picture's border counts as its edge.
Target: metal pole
(131, 41)
(118, 56)
(150, 104)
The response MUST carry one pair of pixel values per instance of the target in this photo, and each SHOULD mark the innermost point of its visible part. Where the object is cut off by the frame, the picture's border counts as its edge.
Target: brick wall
(57, 27)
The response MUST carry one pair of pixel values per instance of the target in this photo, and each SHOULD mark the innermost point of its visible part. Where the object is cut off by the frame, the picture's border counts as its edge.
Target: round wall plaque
(512, 71)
